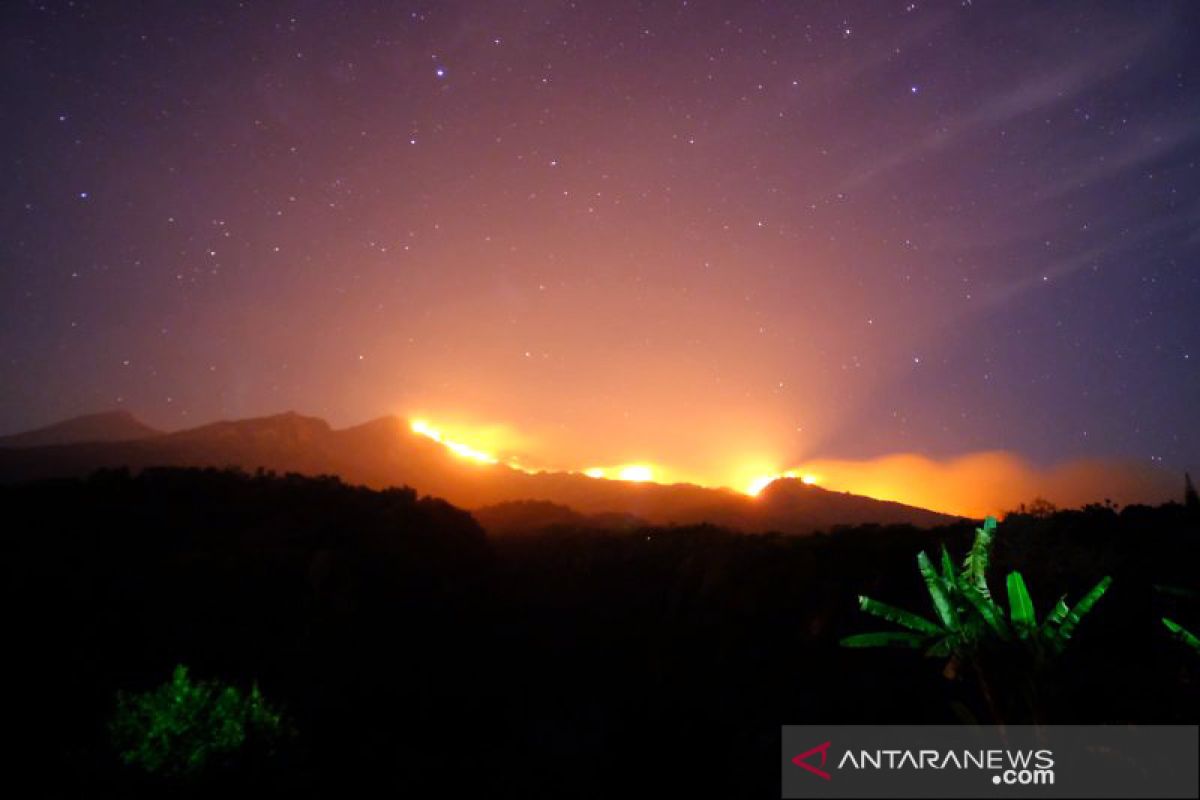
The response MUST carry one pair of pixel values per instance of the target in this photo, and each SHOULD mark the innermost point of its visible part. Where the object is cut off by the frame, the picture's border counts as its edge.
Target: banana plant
(1053, 634)
(968, 617)
(1005, 650)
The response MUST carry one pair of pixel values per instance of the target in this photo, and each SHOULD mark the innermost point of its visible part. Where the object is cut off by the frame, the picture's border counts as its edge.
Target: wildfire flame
(423, 428)
(635, 472)
(762, 482)
(976, 484)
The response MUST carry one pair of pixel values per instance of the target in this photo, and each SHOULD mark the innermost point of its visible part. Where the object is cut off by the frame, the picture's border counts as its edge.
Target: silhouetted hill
(534, 516)
(107, 426)
(385, 452)
(788, 498)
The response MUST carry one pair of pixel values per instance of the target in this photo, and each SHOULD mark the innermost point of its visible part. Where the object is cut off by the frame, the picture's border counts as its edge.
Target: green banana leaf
(1182, 634)
(884, 639)
(1020, 604)
(949, 574)
(899, 616)
(975, 565)
(1175, 591)
(937, 592)
(1056, 616)
(941, 648)
(991, 613)
(1072, 618)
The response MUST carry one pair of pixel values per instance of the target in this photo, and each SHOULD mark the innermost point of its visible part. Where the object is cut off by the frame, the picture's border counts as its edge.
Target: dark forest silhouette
(411, 651)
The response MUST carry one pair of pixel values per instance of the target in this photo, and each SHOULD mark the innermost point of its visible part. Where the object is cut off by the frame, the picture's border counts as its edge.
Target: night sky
(727, 238)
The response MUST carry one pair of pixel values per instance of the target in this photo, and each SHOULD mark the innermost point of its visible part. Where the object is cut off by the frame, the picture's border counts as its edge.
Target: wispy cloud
(1036, 91)
(1146, 148)
(1053, 271)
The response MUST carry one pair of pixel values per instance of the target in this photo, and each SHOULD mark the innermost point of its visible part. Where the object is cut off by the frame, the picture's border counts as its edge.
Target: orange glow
(758, 484)
(458, 448)
(975, 484)
(636, 472)
(762, 482)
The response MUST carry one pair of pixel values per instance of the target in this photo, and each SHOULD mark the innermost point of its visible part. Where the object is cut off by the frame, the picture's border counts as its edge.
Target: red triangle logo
(801, 760)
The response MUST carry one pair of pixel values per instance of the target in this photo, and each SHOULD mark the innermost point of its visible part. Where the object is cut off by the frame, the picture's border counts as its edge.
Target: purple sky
(688, 232)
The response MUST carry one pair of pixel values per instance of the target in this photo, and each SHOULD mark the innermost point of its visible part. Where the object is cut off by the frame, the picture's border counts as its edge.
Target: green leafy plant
(1182, 634)
(1175, 593)
(184, 725)
(971, 628)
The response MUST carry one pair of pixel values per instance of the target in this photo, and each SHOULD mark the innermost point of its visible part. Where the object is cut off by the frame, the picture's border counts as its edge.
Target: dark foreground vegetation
(406, 651)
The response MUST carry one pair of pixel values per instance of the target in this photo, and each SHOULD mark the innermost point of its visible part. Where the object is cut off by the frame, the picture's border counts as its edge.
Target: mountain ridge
(117, 425)
(384, 452)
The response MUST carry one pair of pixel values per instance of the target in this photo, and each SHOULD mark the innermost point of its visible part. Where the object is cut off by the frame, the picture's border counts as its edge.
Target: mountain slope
(107, 426)
(385, 452)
